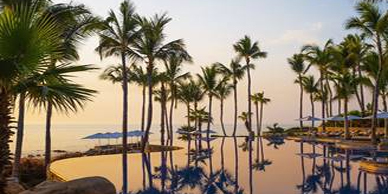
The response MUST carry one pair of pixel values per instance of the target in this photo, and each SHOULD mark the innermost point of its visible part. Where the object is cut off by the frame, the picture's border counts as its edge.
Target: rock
(90, 185)
(13, 188)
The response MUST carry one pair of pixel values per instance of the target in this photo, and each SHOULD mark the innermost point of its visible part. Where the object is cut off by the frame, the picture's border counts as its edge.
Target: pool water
(232, 165)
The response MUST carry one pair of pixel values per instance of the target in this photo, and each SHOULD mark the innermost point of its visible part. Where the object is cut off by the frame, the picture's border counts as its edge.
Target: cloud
(300, 36)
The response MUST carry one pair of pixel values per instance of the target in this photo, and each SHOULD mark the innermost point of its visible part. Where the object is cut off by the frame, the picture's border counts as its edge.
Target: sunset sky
(210, 28)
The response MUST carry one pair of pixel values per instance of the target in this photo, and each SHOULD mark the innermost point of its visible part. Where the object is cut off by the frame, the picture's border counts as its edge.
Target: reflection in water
(323, 176)
(238, 165)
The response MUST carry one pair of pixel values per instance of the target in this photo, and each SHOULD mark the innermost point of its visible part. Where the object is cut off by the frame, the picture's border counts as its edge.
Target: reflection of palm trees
(220, 181)
(250, 148)
(276, 142)
(260, 165)
(260, 161)
(381, 186)
(302, 165)
(236, 188)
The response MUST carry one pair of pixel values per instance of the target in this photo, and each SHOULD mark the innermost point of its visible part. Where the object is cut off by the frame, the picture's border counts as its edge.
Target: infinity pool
(232, 165)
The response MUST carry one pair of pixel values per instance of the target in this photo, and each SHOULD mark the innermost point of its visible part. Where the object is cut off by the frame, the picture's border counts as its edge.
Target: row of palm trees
(39, 42)
(141, 40)
(347, 68)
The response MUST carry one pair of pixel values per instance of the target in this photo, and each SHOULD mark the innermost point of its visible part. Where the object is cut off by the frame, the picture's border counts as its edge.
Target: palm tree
(175, 77)
(209, 82)
(116, 36)
(373, 23)
(298, 66)
(321, 58)
(358, 50)
(249, 51)
(199, 116)
(161, 97)
(53, 88)
(151, 47)
(346, 89)
(197, 95)
(236, 71)
(138, 75)
(346, 81)
(77, 24)
(184, 95)
(38, 38)
(244, 117)
(223, 90)
(370, 67)
(310, 87)
(259, 98)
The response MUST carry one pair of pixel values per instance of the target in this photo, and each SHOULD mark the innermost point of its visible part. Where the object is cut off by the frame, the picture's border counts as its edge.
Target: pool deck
(337, 142)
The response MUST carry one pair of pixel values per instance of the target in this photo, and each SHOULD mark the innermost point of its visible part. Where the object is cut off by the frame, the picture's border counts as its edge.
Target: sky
(210, 28)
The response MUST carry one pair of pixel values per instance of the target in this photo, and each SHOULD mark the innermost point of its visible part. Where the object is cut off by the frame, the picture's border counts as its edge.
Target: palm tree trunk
(200, 135)
(143, 107)
(171, 113)
(166, 118)
(300, 102)
(162, 124)
(222, 116)
(195, 110)
(47, 157)
(235, 107)
(375, 101)
(162, 116)
(5, 135)
(312, 112)
(302, 164)
(257, 118)
(261, 117)
(250, 166)
(330, 103)
(323, 101)
(19, 138)
(125, 125)
(188, 114)
(150, 108)
(361, 93)
(249, 100)
(210, 117)
(347, 134)
(385, 110)
(236, 164)
(339, 106)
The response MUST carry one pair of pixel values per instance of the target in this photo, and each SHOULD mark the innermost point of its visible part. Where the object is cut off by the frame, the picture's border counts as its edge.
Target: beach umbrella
(98, 136)
(309, 118)
(116, 135)
(380, 115)
(335, 118)
(95, 136)
(137, 133)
